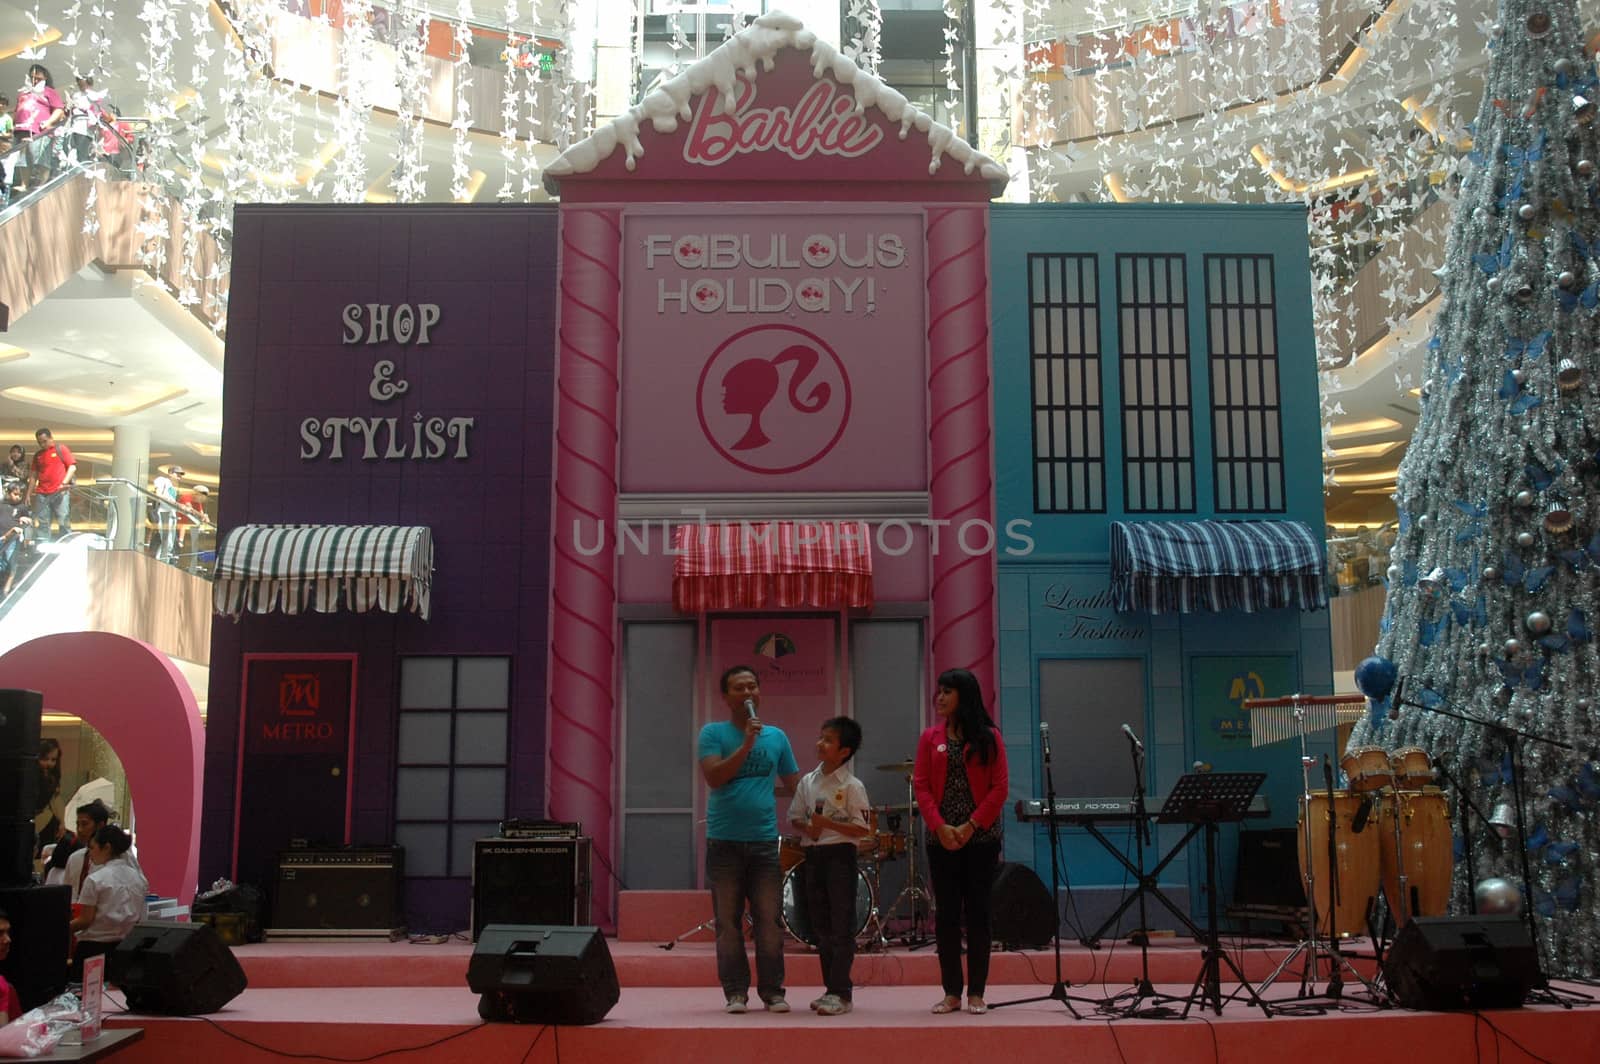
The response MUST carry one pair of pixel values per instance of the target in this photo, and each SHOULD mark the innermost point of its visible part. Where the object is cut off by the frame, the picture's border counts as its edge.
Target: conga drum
(1413, 768)
(1429, 851)
(1357, 857)
(1367, 768)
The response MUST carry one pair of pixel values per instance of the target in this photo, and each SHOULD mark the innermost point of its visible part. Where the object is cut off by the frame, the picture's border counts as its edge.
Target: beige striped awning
(324, 568)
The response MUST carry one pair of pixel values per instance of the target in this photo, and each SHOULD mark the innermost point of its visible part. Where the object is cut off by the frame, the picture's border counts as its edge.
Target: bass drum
(794, 906)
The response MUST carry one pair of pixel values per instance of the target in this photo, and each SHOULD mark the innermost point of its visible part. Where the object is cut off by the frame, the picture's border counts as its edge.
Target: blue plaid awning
(299, 568)
(1186, 566)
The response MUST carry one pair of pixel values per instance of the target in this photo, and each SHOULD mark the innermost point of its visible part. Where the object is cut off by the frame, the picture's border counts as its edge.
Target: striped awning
(324, 568)
(744, 565)
(1185, 566)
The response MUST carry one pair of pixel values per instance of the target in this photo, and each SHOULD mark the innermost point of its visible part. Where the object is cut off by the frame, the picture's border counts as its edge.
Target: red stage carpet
(349, 1001)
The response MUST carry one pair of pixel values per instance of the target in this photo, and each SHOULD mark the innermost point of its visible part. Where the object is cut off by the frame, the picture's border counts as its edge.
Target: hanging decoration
(863, 34)
(409, 29)
(461, 116)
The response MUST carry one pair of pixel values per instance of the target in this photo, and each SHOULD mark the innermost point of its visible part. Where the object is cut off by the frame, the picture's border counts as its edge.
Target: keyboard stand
(1147, 884)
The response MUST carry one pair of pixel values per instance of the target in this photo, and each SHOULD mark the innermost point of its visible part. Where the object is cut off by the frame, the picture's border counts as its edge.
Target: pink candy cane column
(583, 582)
(960, 439)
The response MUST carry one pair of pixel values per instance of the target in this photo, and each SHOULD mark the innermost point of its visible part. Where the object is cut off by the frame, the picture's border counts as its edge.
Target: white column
(130, 460)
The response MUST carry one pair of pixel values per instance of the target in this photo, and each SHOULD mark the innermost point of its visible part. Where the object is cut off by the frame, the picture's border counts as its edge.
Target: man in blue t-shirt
(740, 758)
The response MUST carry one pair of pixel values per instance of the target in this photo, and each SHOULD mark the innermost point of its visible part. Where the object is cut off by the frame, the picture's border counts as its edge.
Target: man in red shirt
(53, 472)
(10, 1004)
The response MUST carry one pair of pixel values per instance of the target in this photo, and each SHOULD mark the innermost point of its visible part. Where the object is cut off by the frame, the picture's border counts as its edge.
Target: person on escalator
(8, 144)
(14, 522)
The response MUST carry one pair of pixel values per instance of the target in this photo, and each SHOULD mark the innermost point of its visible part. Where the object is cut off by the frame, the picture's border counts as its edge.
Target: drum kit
(893, 838)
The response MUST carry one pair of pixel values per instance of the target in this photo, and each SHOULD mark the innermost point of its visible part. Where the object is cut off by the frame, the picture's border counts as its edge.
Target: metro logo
(824, 121)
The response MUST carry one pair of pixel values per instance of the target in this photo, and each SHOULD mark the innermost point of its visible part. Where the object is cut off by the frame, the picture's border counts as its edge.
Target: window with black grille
(1241, 318)
(453, 757)
(1157, 434)
(1068, 436)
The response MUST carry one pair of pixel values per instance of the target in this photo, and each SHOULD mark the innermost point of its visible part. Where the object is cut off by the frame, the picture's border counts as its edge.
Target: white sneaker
(815, 1002)
(831, 1005)
(736, 1004)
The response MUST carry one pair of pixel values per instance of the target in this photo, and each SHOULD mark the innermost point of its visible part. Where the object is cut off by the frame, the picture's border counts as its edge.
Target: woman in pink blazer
(960, 783)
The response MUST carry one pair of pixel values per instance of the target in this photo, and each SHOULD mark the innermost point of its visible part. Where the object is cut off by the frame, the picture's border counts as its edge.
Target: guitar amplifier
(349, 892)
(530, 881)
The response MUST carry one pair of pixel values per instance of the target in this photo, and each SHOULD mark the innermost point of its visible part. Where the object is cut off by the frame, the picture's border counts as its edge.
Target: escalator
(51, 592)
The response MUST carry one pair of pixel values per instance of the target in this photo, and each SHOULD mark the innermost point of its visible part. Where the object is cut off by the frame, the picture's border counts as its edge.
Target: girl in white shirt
(112, 900)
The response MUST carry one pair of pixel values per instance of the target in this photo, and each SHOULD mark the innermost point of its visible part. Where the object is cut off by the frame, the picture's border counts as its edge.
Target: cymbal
(894, 810)
(899, 766)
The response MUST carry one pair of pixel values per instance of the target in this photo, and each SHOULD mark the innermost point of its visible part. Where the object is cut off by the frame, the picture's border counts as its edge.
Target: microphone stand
(1142, 988)
(1468, 807)
(1513, 738)
(1058, 991)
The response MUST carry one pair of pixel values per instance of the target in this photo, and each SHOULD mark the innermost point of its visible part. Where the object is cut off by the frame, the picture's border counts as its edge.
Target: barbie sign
(753, 339)
(773, 379)
(824, 121)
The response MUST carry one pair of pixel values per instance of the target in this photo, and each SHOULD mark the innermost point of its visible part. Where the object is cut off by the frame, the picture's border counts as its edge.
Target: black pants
(830, 882)
(962, 883)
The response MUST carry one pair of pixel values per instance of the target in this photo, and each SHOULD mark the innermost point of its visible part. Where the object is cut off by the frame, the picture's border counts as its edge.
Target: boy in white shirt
(831, 812)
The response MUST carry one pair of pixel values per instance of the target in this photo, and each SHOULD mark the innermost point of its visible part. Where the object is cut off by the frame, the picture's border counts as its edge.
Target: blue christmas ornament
(1375, 677)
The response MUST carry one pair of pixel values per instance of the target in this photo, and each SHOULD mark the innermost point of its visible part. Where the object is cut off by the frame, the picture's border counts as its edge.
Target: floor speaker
(39, 936)
(530, 881)
(174, 969)
(16, 851)
(1462, 962)
(21, 715)
(1024, 915)
(538, 974)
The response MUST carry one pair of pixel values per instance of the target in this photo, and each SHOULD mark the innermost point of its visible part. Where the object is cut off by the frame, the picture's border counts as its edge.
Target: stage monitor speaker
(530, 881)
(1024, 914)
(339, 892)
(1439, 963)
(39, 941)
(21, 716)
(173, 969)
(529, 973)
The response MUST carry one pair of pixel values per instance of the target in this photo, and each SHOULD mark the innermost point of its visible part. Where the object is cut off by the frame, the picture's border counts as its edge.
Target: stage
(352, 1000)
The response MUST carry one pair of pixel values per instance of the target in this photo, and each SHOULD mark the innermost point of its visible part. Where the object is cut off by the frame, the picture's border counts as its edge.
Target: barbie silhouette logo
(773, 399)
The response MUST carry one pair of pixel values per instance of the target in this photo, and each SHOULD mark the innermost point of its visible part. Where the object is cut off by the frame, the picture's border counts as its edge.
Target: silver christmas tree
(1492, 586)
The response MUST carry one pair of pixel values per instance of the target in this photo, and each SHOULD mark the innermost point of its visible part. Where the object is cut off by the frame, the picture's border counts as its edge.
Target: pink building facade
(773, 432)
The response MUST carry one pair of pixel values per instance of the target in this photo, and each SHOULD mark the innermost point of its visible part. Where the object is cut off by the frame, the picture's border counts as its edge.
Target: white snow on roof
(759, 43)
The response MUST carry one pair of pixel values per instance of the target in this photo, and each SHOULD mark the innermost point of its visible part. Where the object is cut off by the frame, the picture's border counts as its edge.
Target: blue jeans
(57, 506)
(737, 871)
(8, 553)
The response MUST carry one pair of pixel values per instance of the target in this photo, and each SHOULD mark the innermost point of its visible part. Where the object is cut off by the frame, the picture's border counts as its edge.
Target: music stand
(1210, 799)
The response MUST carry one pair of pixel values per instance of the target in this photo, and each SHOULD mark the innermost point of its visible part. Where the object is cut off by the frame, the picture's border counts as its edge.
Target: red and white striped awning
(745, 565)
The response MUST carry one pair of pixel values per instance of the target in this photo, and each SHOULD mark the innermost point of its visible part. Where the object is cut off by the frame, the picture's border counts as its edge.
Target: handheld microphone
(819, 806)
(1138, 744)
(750, 708)
(1044, 739)
(1399, 695)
